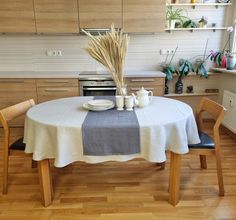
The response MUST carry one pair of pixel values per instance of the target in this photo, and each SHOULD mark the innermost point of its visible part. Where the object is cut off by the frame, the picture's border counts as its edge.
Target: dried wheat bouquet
(110, 50)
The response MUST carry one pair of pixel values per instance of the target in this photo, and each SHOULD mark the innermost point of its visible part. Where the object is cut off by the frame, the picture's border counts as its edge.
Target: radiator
(229, 102)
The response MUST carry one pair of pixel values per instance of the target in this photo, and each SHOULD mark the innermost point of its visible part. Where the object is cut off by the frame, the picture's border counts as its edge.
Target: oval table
(53, 130)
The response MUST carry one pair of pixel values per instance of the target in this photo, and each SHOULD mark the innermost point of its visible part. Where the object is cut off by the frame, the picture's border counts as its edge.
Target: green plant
(217, 57)
(200, 64)
(201, 69)
(169, 70)
(185, 67)
(203, 20)
(189, 24)
(175, 14)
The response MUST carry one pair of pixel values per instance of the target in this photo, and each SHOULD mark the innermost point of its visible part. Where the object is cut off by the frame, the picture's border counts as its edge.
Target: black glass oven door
(99, 91)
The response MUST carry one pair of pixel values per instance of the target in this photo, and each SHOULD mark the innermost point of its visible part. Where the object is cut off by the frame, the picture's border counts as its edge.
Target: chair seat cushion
(18, 145)
(206, 142)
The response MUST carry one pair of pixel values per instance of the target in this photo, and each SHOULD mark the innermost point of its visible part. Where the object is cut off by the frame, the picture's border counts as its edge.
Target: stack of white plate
(99, 105)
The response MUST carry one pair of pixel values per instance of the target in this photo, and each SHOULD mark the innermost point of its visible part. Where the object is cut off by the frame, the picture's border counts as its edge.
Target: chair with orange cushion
(6, 115)
(210, 146)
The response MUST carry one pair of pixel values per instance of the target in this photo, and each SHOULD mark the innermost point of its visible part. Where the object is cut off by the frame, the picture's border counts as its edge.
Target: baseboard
(227, 131)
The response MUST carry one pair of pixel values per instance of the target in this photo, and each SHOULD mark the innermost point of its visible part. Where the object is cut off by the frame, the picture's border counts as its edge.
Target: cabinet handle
(142, 80)
(136, 89)
(99, 89)
(56, 81)
(56, 90)
(11, 81)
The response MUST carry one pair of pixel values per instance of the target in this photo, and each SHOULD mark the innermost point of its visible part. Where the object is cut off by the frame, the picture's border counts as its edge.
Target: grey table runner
(111, 132)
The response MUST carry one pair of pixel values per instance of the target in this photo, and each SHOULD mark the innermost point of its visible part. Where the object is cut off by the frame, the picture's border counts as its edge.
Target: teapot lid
(142, 91)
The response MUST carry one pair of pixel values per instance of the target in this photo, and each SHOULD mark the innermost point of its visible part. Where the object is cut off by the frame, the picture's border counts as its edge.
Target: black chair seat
(18, 145)
(206, 142)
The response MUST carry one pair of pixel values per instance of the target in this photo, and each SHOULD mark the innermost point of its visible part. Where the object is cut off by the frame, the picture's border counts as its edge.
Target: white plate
(100, 103)
(87, 107)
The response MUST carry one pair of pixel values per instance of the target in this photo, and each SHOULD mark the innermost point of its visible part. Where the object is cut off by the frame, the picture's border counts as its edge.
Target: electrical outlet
(172, 51)
(167, 51)
(163, 51)
(59, 53)
(49, 53)
(54, 53)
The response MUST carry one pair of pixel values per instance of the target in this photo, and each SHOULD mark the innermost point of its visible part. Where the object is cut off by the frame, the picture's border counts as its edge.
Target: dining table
(65, 131)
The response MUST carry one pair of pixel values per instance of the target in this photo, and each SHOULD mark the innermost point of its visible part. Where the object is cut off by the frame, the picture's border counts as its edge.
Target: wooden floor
(134, 190)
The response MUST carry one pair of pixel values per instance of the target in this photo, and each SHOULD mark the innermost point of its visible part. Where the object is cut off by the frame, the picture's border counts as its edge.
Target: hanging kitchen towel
(111, 132)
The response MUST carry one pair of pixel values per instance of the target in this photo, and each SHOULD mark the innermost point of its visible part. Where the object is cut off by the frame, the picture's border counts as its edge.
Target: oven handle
(99, 89)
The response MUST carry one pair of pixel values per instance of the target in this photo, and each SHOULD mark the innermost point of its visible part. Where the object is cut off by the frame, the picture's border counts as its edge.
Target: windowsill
(223, 70)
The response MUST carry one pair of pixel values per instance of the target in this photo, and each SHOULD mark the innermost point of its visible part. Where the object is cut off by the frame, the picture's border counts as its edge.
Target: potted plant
(173, 16)
(200, 64)
(185, 67)
(203, 22)
(169, 69)
(220, 57)
(189, 24)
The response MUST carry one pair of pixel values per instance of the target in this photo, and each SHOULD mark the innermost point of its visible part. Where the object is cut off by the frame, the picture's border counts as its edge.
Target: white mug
(120, 103)
(129, 103)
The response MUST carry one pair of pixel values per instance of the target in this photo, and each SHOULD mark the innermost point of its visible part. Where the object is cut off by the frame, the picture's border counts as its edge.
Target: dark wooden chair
(210, 146)
(6, 115)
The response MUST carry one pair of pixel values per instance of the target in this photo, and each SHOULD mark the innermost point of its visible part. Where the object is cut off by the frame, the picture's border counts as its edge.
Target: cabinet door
(100, 14)
(49, 89)
(56, 16)
(144, 15)
(13, 91)
(156, 85)
(17, 16)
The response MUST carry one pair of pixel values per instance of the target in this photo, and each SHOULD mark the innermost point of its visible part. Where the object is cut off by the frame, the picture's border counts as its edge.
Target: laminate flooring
(133, 190)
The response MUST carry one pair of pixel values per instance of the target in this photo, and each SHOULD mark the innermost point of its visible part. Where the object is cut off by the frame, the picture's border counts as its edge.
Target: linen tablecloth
(54, 130)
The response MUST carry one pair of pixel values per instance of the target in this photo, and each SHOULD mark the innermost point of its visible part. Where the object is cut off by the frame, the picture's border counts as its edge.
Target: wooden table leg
(45, 182)
(174, 181)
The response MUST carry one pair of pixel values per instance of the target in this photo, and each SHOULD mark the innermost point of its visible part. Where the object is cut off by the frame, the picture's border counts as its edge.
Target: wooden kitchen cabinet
(100, 14)
(155, 84)
(13, 91)
(17, 16)
(56, 16)
(49, 89)
(144, 16)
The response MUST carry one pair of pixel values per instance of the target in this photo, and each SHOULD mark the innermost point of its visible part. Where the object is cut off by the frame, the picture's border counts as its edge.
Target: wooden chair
(6, 115)
(210, 146)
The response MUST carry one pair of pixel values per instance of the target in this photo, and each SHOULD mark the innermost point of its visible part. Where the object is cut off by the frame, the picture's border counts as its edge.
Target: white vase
(121, 91)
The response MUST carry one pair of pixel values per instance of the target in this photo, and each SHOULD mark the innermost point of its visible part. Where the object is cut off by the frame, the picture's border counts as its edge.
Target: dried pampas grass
(110, 50)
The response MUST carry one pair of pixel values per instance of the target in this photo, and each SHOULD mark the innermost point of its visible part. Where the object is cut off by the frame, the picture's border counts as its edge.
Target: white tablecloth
(53, 130)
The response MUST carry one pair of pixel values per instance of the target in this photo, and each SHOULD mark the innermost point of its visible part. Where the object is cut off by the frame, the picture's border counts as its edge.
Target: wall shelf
(191, 94)
(196, 29)
(193, 74)
(198, 4)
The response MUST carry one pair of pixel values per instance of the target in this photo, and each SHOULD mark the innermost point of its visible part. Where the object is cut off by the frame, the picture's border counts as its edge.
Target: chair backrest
(216, 110)
(14, 111)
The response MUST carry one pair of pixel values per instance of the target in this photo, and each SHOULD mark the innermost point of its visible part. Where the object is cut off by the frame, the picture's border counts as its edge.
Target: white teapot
(142, 98)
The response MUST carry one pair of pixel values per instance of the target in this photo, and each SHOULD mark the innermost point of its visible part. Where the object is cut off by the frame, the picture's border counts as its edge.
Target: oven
(96, 85)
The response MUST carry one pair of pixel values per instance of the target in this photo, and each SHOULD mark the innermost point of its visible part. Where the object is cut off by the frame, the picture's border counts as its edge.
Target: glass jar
(230, 62)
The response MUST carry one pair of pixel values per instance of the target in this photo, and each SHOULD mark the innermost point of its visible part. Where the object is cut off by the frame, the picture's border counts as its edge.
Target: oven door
(99, 91)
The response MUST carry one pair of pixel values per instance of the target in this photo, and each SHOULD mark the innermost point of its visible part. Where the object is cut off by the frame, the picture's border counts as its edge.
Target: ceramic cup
(129, 103)
(120, 102)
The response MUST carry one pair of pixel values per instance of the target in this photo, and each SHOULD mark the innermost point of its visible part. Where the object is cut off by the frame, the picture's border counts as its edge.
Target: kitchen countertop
(72, 74)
